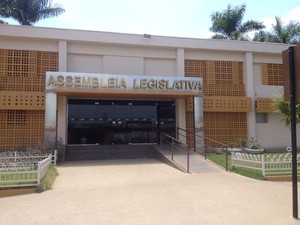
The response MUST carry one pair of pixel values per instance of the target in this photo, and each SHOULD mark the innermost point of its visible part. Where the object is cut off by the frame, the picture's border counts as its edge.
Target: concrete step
(104, 152)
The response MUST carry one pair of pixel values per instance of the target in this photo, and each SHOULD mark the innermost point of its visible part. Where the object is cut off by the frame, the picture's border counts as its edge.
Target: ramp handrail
(206, 146)
(173, 141)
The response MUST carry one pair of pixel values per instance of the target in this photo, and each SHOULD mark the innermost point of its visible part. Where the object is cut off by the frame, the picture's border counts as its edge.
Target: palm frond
(28, 12)
(283, 109)
(229, 23)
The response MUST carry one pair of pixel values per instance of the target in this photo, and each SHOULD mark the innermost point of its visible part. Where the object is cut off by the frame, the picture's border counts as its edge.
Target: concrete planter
(235, 149)
(254, 150)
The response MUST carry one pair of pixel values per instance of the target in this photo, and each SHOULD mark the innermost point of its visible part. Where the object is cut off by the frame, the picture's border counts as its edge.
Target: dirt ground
(140, 192)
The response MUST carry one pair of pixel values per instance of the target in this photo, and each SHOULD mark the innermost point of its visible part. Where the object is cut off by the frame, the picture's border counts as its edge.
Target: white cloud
(293, 15)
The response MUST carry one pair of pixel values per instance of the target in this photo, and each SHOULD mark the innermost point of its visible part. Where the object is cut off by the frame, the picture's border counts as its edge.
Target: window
(261, 117)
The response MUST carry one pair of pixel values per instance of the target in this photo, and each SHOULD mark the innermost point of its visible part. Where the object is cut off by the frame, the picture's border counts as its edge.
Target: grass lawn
(24, 177)
(29, 178)
(220, 160)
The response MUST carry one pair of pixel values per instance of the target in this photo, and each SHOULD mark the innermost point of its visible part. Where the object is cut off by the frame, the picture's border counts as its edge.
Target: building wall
(84, 63)
(222, 81)
(274, 133)
(271, 133)
(236, 76)
(22, 85)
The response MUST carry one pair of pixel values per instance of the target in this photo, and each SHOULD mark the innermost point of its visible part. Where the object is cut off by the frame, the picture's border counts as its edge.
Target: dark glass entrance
(109, 122)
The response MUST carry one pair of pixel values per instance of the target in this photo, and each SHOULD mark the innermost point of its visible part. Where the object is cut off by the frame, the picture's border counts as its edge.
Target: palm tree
(228, 24)
(287, 34)
(28, 12)
(283, 109)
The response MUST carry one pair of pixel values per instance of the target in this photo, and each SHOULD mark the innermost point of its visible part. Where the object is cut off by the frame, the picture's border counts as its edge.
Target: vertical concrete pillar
(62, 100)
(250, 92)
(180, 103)
(180, 116)
(180, 62)
(62, 53)
(62, 117)
(50, 115)
(199, 128)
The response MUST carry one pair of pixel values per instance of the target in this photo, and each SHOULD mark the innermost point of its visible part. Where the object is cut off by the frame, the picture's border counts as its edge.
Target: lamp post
(290, 85)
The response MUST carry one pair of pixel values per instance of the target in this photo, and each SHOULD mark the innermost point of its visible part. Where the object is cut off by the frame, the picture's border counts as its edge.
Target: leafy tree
(28, 12)
(280, 33)
(228, 24)
(283, 109)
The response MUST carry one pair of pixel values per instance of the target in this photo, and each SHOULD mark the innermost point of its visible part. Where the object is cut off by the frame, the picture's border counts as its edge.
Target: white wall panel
(123, 65)
(29, 44)
(213, 55)
(84, 63)
(267, 91)
(267, 58)
(274, 133)
(161, 67)
(257, 74)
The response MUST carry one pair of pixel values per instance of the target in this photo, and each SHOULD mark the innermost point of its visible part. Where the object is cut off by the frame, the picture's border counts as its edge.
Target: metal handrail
(224, 146)
(173, 143)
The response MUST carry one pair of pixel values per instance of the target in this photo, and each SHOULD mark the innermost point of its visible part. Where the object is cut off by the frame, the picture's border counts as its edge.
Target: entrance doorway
(108, 122)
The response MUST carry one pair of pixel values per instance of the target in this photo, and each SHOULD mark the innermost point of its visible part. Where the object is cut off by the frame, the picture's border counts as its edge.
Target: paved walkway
(148, 192)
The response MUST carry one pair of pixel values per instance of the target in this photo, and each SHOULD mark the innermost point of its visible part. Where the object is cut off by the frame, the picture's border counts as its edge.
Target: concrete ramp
(197, 164)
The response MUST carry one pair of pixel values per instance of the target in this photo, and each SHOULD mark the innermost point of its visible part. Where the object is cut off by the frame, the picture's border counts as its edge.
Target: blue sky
(183, 18)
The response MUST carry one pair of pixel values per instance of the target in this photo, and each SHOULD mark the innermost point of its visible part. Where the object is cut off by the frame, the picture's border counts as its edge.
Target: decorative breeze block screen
(22, 86)
(227, 104)
(225, 101)
(225, 127)
(21, 128)
(265, 105)
(220, 78)
(24, 70)
(22, 100)
(272, 74)
(190, 129)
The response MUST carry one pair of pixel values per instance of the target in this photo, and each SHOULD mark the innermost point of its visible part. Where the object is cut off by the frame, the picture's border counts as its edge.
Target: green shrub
(48, 180)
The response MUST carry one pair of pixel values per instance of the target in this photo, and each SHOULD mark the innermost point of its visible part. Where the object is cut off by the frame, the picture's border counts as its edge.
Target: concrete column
(62, 53)
(180, 62)
(50, 115)
(62, 100)
(62, 118)
(198, 114)
(250, 92)
(199, 128)
(180, 116)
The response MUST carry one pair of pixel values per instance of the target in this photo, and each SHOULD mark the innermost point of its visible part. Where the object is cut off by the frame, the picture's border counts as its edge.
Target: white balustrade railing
(19, 156)
(267, 163)
(43, 167)
(15, 173)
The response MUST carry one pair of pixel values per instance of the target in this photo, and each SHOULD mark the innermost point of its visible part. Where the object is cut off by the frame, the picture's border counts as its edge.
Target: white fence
(30, 156)
(24, 170)
(268, 164)
(43, 168)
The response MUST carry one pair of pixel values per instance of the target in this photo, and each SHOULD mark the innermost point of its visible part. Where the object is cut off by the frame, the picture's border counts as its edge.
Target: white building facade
(238, 82)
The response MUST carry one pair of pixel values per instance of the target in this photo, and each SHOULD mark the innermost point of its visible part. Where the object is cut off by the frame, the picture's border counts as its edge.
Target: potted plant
(233, 146)
(253, 146)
